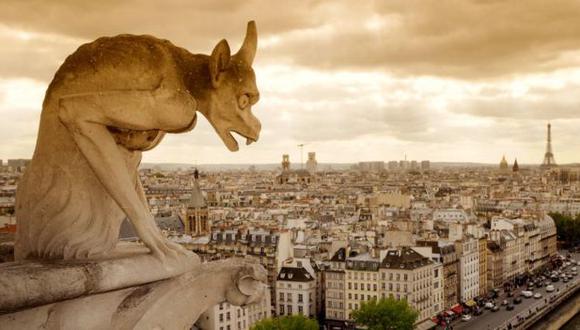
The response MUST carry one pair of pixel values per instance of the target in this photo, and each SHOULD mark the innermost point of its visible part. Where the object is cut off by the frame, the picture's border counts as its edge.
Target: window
(281, 296)
(289, 309)
(300, 310)
(405, 277)
(300, 298)
(281, 309)
(228, 316)
(221, 317)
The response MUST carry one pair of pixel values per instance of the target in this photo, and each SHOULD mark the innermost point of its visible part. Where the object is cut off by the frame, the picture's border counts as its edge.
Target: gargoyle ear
(218, 62)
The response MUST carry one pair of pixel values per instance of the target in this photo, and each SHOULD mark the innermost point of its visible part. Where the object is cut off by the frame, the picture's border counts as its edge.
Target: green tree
(386, 314)
(294, 322)
(567, 228)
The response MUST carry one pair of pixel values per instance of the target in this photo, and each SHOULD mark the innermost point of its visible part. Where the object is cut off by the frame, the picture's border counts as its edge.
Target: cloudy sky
(353, 80)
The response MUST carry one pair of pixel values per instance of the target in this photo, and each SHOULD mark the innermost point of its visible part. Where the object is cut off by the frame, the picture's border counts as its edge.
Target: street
(493, 320)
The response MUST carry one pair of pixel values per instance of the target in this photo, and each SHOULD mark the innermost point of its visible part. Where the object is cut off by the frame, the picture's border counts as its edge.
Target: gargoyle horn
(248, 49)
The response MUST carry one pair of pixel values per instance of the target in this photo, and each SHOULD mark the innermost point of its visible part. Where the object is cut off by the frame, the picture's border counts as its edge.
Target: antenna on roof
(301, 146)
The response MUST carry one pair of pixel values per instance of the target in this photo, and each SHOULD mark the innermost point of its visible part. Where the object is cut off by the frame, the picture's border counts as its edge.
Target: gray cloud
(464, 39)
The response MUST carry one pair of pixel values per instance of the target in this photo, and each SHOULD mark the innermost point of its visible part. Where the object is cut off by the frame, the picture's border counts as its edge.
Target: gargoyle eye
(244, 101)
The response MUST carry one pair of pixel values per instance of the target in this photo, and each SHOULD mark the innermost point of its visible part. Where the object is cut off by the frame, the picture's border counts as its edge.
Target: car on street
(489, 305)
(504, 302)
(527, 293)
(550, 288)
(495, 309)
(538, 295)
(517, 300)
(466, 317)
(509, 307)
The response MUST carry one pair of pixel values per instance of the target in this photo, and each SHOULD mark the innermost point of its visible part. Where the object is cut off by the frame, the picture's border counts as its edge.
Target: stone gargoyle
(111, 100)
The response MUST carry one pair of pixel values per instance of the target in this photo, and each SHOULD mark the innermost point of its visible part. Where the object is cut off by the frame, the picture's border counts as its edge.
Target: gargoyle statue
(111, 100)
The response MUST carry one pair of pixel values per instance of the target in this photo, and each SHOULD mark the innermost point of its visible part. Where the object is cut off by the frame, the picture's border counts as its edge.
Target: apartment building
(406, 274)
(362, 281)
(468, 256)
(297, 287)
(335, 289)
(443, 252)
(482, 247)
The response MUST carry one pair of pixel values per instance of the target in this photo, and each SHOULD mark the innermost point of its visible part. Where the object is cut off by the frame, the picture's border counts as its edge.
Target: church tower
(285, 163)
(516, 167)
(196, 220)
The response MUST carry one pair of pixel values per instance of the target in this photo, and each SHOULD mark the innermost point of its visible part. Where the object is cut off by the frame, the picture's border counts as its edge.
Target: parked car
(504, 302)
(550, 288)
(517, 300)
(466, 317)
(538, 295)
(527, 293)
(510, 294)
(495, 309)
(509, 307)
(489, 305)
(477, 311)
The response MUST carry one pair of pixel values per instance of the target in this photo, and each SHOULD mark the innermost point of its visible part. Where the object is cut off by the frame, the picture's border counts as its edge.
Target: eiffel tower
(549, 161)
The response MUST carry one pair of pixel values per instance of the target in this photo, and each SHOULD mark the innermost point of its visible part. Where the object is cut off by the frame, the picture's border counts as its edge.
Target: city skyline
(352, 83)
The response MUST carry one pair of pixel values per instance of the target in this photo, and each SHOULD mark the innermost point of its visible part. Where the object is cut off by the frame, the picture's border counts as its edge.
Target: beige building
(362, 281)
(224, 316)
(335, 289)
(495, 274)
(482, 266)
(406, 274)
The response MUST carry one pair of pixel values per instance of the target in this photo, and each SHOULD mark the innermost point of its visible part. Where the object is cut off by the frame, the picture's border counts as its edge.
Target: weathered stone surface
(33, 283)
(111, 100)
(174, 303)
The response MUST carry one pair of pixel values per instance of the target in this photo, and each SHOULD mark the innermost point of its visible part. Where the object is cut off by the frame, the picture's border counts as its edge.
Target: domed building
(503, 165)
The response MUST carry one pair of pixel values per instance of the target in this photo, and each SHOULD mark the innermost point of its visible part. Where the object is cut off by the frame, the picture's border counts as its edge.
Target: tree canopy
(567, 228)
(386, 314)
(293, 322)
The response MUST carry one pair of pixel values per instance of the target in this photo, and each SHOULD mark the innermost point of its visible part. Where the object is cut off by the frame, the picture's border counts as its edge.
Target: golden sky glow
(354, 80)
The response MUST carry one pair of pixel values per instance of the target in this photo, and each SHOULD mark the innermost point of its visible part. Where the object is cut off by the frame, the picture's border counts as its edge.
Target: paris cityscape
(443, 237)
(406, 165)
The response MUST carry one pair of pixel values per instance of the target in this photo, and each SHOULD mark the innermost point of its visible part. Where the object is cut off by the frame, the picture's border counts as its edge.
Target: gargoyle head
(233, 91)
